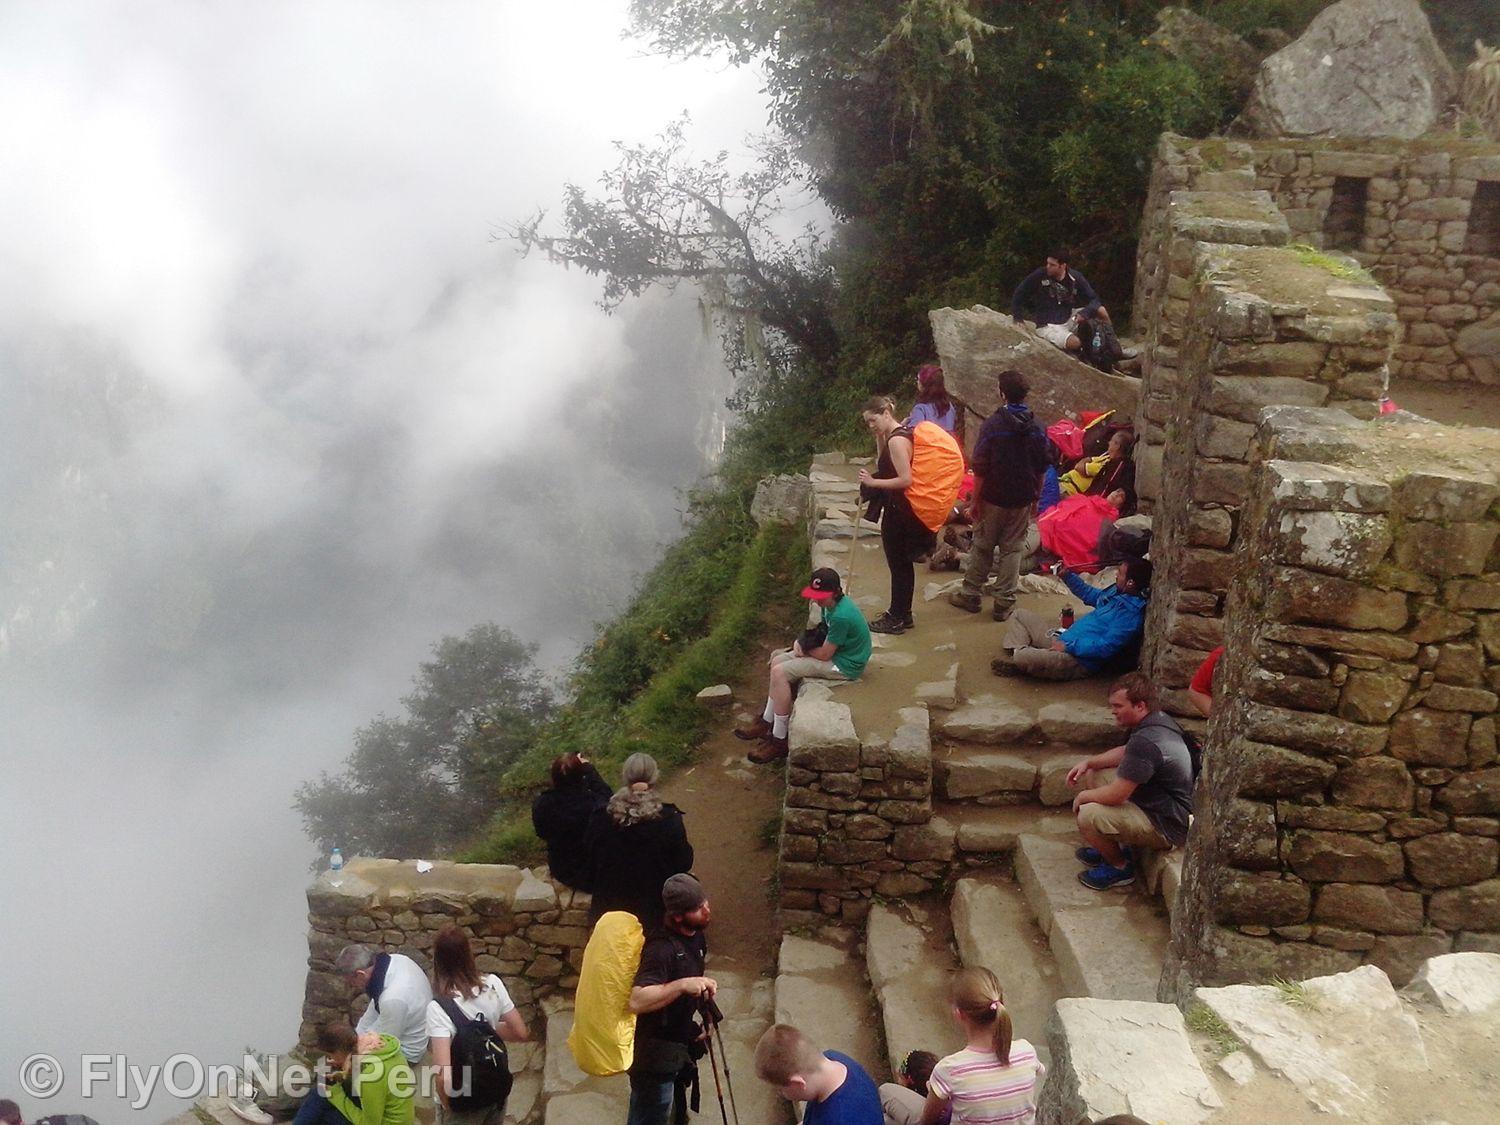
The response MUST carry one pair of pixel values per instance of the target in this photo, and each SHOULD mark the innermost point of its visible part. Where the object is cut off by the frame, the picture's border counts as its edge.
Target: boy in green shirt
(842, 656)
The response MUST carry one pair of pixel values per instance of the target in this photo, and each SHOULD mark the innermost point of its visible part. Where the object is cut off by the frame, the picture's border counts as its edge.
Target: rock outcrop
(1363, 68)
(976, 344)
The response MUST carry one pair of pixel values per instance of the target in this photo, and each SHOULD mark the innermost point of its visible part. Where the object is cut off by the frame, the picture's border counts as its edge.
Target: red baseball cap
(825, 580)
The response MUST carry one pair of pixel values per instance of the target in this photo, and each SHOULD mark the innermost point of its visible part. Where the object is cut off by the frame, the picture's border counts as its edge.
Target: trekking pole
(729, 1085)
(713, 1065)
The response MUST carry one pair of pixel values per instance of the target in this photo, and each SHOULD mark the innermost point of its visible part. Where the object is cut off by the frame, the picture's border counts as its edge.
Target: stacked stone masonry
(858, 817)
(525, 929)
(1260, 325)
(1423, 216)
(1349, 809)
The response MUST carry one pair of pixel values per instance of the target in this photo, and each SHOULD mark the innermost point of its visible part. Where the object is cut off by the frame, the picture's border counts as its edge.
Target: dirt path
(1467, 404)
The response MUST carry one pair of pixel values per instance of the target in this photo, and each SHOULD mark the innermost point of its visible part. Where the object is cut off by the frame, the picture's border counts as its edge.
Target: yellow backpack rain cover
(603, 1035)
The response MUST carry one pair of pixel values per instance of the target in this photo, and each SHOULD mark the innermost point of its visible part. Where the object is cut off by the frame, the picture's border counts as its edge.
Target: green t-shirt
(848, 630)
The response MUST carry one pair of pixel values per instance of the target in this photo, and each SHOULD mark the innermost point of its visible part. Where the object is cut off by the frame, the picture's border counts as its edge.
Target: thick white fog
(276, 413)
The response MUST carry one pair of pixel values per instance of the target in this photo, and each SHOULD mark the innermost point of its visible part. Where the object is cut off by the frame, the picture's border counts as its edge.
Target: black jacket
(1053, 302)
(1010, 456)
(635, 843)
(561, 819)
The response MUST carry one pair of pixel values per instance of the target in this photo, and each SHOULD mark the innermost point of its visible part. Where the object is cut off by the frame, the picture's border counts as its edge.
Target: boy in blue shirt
(835, 1087)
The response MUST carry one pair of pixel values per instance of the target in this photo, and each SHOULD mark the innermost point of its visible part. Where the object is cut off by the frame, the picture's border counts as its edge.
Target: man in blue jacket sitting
(1034, 647)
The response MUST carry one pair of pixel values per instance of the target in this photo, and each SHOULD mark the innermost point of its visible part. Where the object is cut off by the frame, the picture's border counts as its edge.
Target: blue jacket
(1117, 621)
(1051, 491)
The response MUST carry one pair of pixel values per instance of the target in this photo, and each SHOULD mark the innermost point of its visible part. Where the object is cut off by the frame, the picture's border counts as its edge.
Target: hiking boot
(971, 603)
(1107, 878)
(770, 750)
(754, 732)
(886, 623)
(1004, 666)
(1001, 612)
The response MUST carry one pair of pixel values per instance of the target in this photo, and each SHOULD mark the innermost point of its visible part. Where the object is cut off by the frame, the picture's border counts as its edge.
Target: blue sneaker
(1106, 878)
(1090, 857)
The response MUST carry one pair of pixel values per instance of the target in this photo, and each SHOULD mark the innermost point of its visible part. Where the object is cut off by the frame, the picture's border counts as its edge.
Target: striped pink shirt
(982, 1092)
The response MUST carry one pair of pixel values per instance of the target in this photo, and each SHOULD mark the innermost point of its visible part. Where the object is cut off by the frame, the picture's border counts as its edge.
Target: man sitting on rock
(1135, 795)
(1034, 647)
(1065, 309)
(841, 655)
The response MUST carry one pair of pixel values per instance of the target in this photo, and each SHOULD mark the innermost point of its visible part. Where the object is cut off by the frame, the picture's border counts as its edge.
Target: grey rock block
(1319, 1036)
(910, 985)
(975, 775)
(1123, 1056)
(822, 736)
(1079, 724)
(991, 721)
(993, 929)
(1048, 873)
(1461, 984)
(1109, 952)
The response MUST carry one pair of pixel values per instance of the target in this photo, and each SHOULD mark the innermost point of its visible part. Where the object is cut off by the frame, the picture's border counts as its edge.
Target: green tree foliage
(661, 219)
(421, 784)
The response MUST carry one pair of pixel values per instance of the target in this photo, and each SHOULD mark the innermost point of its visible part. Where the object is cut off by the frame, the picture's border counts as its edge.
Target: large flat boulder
(1461, 984)
(1363, 68)
(1337, 1039)
(974, 345)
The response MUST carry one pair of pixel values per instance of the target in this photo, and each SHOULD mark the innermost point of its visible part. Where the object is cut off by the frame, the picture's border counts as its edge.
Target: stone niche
(857, 819)
(1250, 326)
(528, 931)
(1349, 808)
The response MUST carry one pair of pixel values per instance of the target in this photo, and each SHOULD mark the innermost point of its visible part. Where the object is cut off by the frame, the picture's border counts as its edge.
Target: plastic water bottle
(336, 860)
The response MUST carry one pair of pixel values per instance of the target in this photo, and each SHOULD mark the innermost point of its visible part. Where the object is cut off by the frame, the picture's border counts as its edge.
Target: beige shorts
(1057, 334)
(1127, 823)
(805, 667)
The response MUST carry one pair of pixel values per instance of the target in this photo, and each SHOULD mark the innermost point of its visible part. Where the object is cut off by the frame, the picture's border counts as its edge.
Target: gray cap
(639, 768)
(682, 894)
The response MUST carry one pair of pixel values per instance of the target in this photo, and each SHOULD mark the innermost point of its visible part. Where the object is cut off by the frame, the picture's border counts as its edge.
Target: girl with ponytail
(995, 1077)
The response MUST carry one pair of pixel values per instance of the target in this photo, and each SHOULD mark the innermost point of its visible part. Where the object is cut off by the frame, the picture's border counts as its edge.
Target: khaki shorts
(1057, 334)
(805, 667)
(1127, 823)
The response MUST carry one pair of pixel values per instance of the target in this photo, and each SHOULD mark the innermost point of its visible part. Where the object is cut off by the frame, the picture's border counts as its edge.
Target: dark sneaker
(885, 623)
(770, 750)
(1090, 857)
(1107, 878)
(1001, 612)
(1004, 666)
(909, 622)
(971, 603)
(754, 732)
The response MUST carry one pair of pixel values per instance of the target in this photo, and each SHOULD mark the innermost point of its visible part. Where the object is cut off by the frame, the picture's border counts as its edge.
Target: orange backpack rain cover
(937, 470)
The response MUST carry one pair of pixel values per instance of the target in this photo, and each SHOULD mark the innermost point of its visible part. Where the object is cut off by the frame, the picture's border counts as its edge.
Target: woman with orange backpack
(912, 493)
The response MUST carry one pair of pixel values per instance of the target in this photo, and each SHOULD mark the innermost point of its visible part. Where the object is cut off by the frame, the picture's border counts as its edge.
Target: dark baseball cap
(825, 580)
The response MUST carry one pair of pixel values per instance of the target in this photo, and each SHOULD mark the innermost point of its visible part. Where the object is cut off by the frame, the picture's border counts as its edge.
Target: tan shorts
(1057, 334)
(805, 667)
(1127, 823)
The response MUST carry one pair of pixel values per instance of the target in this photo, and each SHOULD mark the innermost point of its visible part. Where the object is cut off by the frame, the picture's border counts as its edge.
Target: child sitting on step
(993, 1078)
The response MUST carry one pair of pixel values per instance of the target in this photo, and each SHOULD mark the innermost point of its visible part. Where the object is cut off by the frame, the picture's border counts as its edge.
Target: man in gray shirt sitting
(1139, 794)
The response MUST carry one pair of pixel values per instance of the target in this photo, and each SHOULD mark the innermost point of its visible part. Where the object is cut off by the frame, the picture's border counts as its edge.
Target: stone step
(909, 958)
(1123, 1056)
(993, 928)
(821, 990)
(562, 1080)
(1112, 951)
(995, 829)
(1005, 775)
(993, 719)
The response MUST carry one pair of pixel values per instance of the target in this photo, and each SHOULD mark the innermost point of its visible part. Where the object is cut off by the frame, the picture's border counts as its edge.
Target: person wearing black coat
(636, 843)
(561, 816)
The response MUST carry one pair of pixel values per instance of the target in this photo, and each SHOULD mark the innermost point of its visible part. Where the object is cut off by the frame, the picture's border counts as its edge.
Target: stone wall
(1349, 809)
(528, 931)
(857, 819)
(1423, 216)
(1252, 326)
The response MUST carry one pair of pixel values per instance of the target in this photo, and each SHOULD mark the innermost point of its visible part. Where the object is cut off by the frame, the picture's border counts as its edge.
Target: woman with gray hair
(635, 844)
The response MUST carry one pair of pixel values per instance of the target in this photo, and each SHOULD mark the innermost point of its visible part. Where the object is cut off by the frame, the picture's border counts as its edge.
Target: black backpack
(479, 1059)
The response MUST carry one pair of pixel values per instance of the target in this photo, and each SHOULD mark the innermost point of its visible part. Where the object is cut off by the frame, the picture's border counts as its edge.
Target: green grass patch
(1295, 993)
(1338, 267)
(662, 718)
(1205, 1021)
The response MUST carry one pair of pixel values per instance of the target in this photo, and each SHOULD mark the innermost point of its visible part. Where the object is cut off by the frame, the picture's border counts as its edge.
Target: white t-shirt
(493, 1003)
(403, 1006)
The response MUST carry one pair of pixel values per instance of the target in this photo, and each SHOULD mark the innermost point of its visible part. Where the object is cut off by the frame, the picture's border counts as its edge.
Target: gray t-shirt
(1157, 760)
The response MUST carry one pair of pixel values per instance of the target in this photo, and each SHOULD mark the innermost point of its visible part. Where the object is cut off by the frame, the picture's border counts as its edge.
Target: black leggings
(904, 538)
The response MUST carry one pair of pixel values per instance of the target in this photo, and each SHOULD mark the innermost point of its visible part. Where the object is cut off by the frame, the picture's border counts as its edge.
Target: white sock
(778, 725)
(770, 712)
